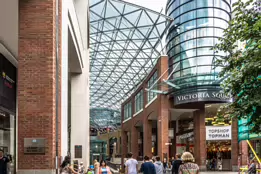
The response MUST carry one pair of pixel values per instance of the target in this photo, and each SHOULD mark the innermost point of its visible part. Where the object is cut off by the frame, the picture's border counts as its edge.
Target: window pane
(204, 42)
(204, 3)
(204, 69)
(202, 32)
(205, 51)
(187, 26)
(205, 60)
(188, 16)
(220, 23)
(204, 22)
(188, 45)
(188, 35)
(206, 12)
(188, 53)
(187, 7)
(221, 14)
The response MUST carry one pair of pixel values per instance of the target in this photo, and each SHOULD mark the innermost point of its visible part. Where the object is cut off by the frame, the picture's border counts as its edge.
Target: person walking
(176, 163)
(96, 165)
(165, 165)
(188, 166)
(131, 164)
(66, 167)
(158, 166)
(147, 167)
(3, 163)
(104, 169)
(252, 167)
(81, 168)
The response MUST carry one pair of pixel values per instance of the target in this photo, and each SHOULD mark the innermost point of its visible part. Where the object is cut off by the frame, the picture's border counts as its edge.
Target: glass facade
(197, 26)
(139, 101)
(127, 111)
(151, 83)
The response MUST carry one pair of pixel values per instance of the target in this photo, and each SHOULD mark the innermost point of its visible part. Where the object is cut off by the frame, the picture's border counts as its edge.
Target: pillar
(173, 140)
(134, 142)
(124, 147)
(163, 127)
(200, 138)
(80, 116)
(147, 137)
(36, 85)
(244, 153)
(234, 145)
(118, 143)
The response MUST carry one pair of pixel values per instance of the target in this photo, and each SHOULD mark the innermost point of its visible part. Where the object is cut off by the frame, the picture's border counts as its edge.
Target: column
(134, 142)
(118, 142)
(124, 147)
(244, 153)
(163, 127)
(234, 145)
(147, 137)
(36, 85)
(173, 140)
(80, 116)
(200, 138)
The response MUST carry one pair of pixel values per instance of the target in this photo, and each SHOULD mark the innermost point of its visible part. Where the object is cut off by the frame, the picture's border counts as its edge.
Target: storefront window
(7, 136)
(139, 101)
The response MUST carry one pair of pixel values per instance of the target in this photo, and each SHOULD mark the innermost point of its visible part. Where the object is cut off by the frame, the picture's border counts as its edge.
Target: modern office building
(28, 91)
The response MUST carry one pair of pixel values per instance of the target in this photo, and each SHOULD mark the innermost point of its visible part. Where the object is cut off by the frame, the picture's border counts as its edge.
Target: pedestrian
(188, 166)
(96, 165)
(3, 163)
(158, 166)
(252, 167)
(104, 169)
(147, 167)
(81, 168)
(131, 164)
(176, 163)
(66, 167)
(165, 165)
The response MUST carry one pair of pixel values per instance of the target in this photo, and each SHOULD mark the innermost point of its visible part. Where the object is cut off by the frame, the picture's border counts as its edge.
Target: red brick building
(29, 90)
(166, 124)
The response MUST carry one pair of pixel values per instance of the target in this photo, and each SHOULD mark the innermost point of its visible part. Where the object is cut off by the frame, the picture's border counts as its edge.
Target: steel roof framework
(125, 42)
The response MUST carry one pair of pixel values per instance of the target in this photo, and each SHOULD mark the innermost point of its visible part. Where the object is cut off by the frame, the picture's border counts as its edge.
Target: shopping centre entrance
(218, 155)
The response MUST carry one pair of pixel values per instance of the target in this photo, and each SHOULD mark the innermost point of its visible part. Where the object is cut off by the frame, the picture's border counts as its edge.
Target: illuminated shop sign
(215, 96)
(218, 133)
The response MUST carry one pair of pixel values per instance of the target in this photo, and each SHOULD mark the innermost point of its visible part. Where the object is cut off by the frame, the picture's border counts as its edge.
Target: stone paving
(218, 172)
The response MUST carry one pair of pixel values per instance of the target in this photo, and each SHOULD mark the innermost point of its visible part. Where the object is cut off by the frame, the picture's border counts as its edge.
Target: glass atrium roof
(125, 42)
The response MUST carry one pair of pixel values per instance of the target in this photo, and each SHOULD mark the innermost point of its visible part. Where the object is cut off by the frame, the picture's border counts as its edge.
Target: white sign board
(218, 133)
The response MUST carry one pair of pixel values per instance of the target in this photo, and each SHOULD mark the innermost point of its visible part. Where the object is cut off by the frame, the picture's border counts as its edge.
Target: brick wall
(36, 81)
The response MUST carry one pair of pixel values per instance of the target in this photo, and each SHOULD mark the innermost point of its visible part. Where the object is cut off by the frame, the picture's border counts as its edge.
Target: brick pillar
(173, 140)
(163, 127)
(118, 143)
(36, 84)
(244, 152)
(234, 146)
(134, 142)
(200, 138)
(124, 147)
(147, 137)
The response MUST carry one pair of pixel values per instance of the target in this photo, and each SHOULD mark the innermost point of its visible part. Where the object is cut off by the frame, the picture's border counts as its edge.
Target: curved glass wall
(196, 28)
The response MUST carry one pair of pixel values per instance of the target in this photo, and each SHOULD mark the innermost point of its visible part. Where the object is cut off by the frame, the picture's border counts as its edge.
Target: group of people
(183, 164)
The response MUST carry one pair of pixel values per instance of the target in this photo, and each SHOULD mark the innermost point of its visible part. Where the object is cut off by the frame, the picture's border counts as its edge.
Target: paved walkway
(218, 172)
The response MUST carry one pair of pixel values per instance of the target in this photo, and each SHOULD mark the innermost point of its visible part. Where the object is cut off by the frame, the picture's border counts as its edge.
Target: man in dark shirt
(147, 167)
(176, 163)
(3, 163)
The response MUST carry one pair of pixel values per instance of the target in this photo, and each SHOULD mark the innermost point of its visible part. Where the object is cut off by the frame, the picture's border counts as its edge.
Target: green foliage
(243, 65)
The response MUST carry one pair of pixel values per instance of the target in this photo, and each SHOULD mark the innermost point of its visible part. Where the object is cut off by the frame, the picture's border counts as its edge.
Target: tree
(242, 67)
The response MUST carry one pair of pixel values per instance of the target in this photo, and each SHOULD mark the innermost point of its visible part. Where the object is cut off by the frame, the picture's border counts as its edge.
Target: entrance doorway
(219, 155)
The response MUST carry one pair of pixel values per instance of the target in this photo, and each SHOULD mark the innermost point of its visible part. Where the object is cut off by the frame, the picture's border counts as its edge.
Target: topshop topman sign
(215, 96)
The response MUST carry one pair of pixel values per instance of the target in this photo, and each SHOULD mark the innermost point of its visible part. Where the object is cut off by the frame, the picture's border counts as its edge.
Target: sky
(155, 5)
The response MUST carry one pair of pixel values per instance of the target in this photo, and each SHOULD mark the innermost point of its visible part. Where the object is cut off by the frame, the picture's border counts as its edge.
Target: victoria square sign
(214, 96)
